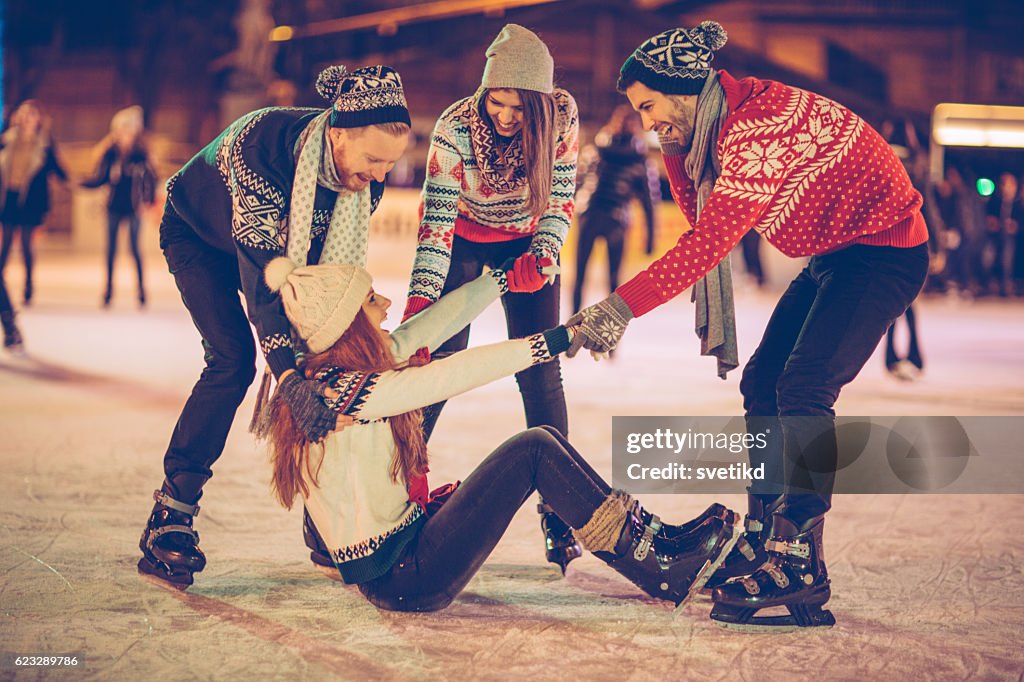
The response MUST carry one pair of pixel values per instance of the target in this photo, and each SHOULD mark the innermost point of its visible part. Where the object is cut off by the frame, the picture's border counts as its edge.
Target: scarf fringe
(259, 425)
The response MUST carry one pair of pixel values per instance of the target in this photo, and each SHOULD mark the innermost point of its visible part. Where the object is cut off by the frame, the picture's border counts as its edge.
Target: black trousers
(822, 332)
(209, 284)
(114, 221)
(453, 543)
(25, 231)
(595, 223)
(525, 314)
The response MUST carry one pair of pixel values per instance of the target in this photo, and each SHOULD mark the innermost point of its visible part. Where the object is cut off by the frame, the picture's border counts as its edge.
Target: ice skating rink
(924, 587)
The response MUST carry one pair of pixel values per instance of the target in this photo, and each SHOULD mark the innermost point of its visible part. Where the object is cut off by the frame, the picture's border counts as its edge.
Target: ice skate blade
(764, 627)
(155, 575)
(705, 573)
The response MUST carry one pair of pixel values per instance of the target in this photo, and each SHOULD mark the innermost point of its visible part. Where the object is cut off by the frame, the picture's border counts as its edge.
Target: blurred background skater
(28, 158)
(902, 137)
(613, 171)
(1001, 214)
(125, 166)
(12, 335)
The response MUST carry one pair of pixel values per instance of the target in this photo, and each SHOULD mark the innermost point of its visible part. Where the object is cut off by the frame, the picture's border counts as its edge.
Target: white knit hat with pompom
(320, 300)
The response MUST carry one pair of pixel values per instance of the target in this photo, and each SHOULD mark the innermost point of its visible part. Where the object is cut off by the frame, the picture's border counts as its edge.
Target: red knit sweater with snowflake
(805, 172)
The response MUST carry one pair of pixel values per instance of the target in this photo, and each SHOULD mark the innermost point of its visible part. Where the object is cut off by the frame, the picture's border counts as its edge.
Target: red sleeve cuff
(640, 294)
(414, 305)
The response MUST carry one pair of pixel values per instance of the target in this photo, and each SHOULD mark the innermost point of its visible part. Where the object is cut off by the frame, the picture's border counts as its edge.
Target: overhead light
(977, 125)
(281, 33)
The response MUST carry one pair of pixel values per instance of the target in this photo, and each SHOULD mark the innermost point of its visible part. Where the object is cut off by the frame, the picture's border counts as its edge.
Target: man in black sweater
(278, 181)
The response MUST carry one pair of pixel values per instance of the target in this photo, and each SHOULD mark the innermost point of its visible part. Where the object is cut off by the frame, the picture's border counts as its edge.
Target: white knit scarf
(715, 310)
(347, 235)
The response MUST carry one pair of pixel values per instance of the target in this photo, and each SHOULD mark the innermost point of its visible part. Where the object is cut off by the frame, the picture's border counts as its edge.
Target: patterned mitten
(311, 415)
(600, 326)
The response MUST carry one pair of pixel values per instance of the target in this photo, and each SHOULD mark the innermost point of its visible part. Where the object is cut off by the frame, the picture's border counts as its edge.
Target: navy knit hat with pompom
(364, 97)
(676, 62)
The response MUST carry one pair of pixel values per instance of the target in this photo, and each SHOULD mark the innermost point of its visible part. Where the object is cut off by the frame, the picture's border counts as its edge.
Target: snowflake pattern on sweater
(456, 186)
(805, 172)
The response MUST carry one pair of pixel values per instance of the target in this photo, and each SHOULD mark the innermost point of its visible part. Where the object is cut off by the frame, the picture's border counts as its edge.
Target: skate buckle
(745, 549)
(644, 546)
(753, 525)
(797, 549)
(166, 500)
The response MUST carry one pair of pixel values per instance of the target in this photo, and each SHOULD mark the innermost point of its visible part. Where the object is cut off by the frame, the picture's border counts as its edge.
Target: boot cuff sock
(601, 533)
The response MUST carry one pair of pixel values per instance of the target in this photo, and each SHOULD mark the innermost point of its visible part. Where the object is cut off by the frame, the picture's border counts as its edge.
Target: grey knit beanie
(320, 300)
(519, 59)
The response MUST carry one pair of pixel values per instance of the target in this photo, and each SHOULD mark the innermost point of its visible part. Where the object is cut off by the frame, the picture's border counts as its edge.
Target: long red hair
(361, 348)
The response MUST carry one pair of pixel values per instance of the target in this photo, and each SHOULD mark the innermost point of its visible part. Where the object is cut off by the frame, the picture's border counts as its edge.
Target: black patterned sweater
(235, 194)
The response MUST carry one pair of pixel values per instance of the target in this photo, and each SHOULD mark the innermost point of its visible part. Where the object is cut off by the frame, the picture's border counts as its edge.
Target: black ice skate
(794, 577)
(170, 547)
(676, 534)
(668, 570)
(318, 552)
(560, 546)
(12, 335)
(749, 553)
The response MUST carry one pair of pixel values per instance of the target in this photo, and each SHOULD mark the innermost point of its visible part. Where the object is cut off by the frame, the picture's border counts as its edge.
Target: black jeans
(596, 223)
(26, 251)
(822, 332)
(453, 543)
(209, 284)
(114, 221)
(525, 314)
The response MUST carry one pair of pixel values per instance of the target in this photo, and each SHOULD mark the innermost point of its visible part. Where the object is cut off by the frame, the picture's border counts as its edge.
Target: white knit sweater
(364, 517)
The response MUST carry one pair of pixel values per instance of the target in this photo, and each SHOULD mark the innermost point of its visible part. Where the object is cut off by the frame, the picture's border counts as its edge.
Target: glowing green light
(985, 187)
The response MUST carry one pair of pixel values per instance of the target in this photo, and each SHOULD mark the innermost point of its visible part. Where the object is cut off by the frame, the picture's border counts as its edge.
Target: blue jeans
(822, 332)
(208, 281)
(453, 543)
(525, 314)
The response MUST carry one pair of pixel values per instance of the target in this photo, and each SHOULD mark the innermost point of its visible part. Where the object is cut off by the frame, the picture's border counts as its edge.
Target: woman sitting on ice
(365, 486)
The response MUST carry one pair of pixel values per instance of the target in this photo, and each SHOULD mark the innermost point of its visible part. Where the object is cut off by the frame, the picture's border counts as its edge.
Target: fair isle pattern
(353, 388)
(257, 206)
(456, 184)
(538, 349)
(368, 547)
(804, 171)
(675, 54)
(500, 276)
(370, 88)
(504, 170)
(275, 341)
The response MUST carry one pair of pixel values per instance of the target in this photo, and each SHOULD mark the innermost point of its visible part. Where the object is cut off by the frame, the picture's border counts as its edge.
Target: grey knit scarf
(716, 312)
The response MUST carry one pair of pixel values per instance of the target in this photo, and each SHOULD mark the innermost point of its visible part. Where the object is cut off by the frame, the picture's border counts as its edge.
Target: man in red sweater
(815, 180)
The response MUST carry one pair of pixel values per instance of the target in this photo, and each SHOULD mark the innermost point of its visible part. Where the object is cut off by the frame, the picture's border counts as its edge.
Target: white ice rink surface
(924, 587)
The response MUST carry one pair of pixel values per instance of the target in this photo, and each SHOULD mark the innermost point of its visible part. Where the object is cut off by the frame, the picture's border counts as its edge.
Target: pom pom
(277, 271)
(329, 80)
(714, 36)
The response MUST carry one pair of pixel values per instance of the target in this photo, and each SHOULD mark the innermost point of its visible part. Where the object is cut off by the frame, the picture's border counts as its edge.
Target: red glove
(525, 276)
(414, 305)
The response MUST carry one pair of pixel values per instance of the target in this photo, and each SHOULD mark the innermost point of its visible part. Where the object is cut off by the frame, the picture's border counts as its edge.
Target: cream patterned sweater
(364, 517)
